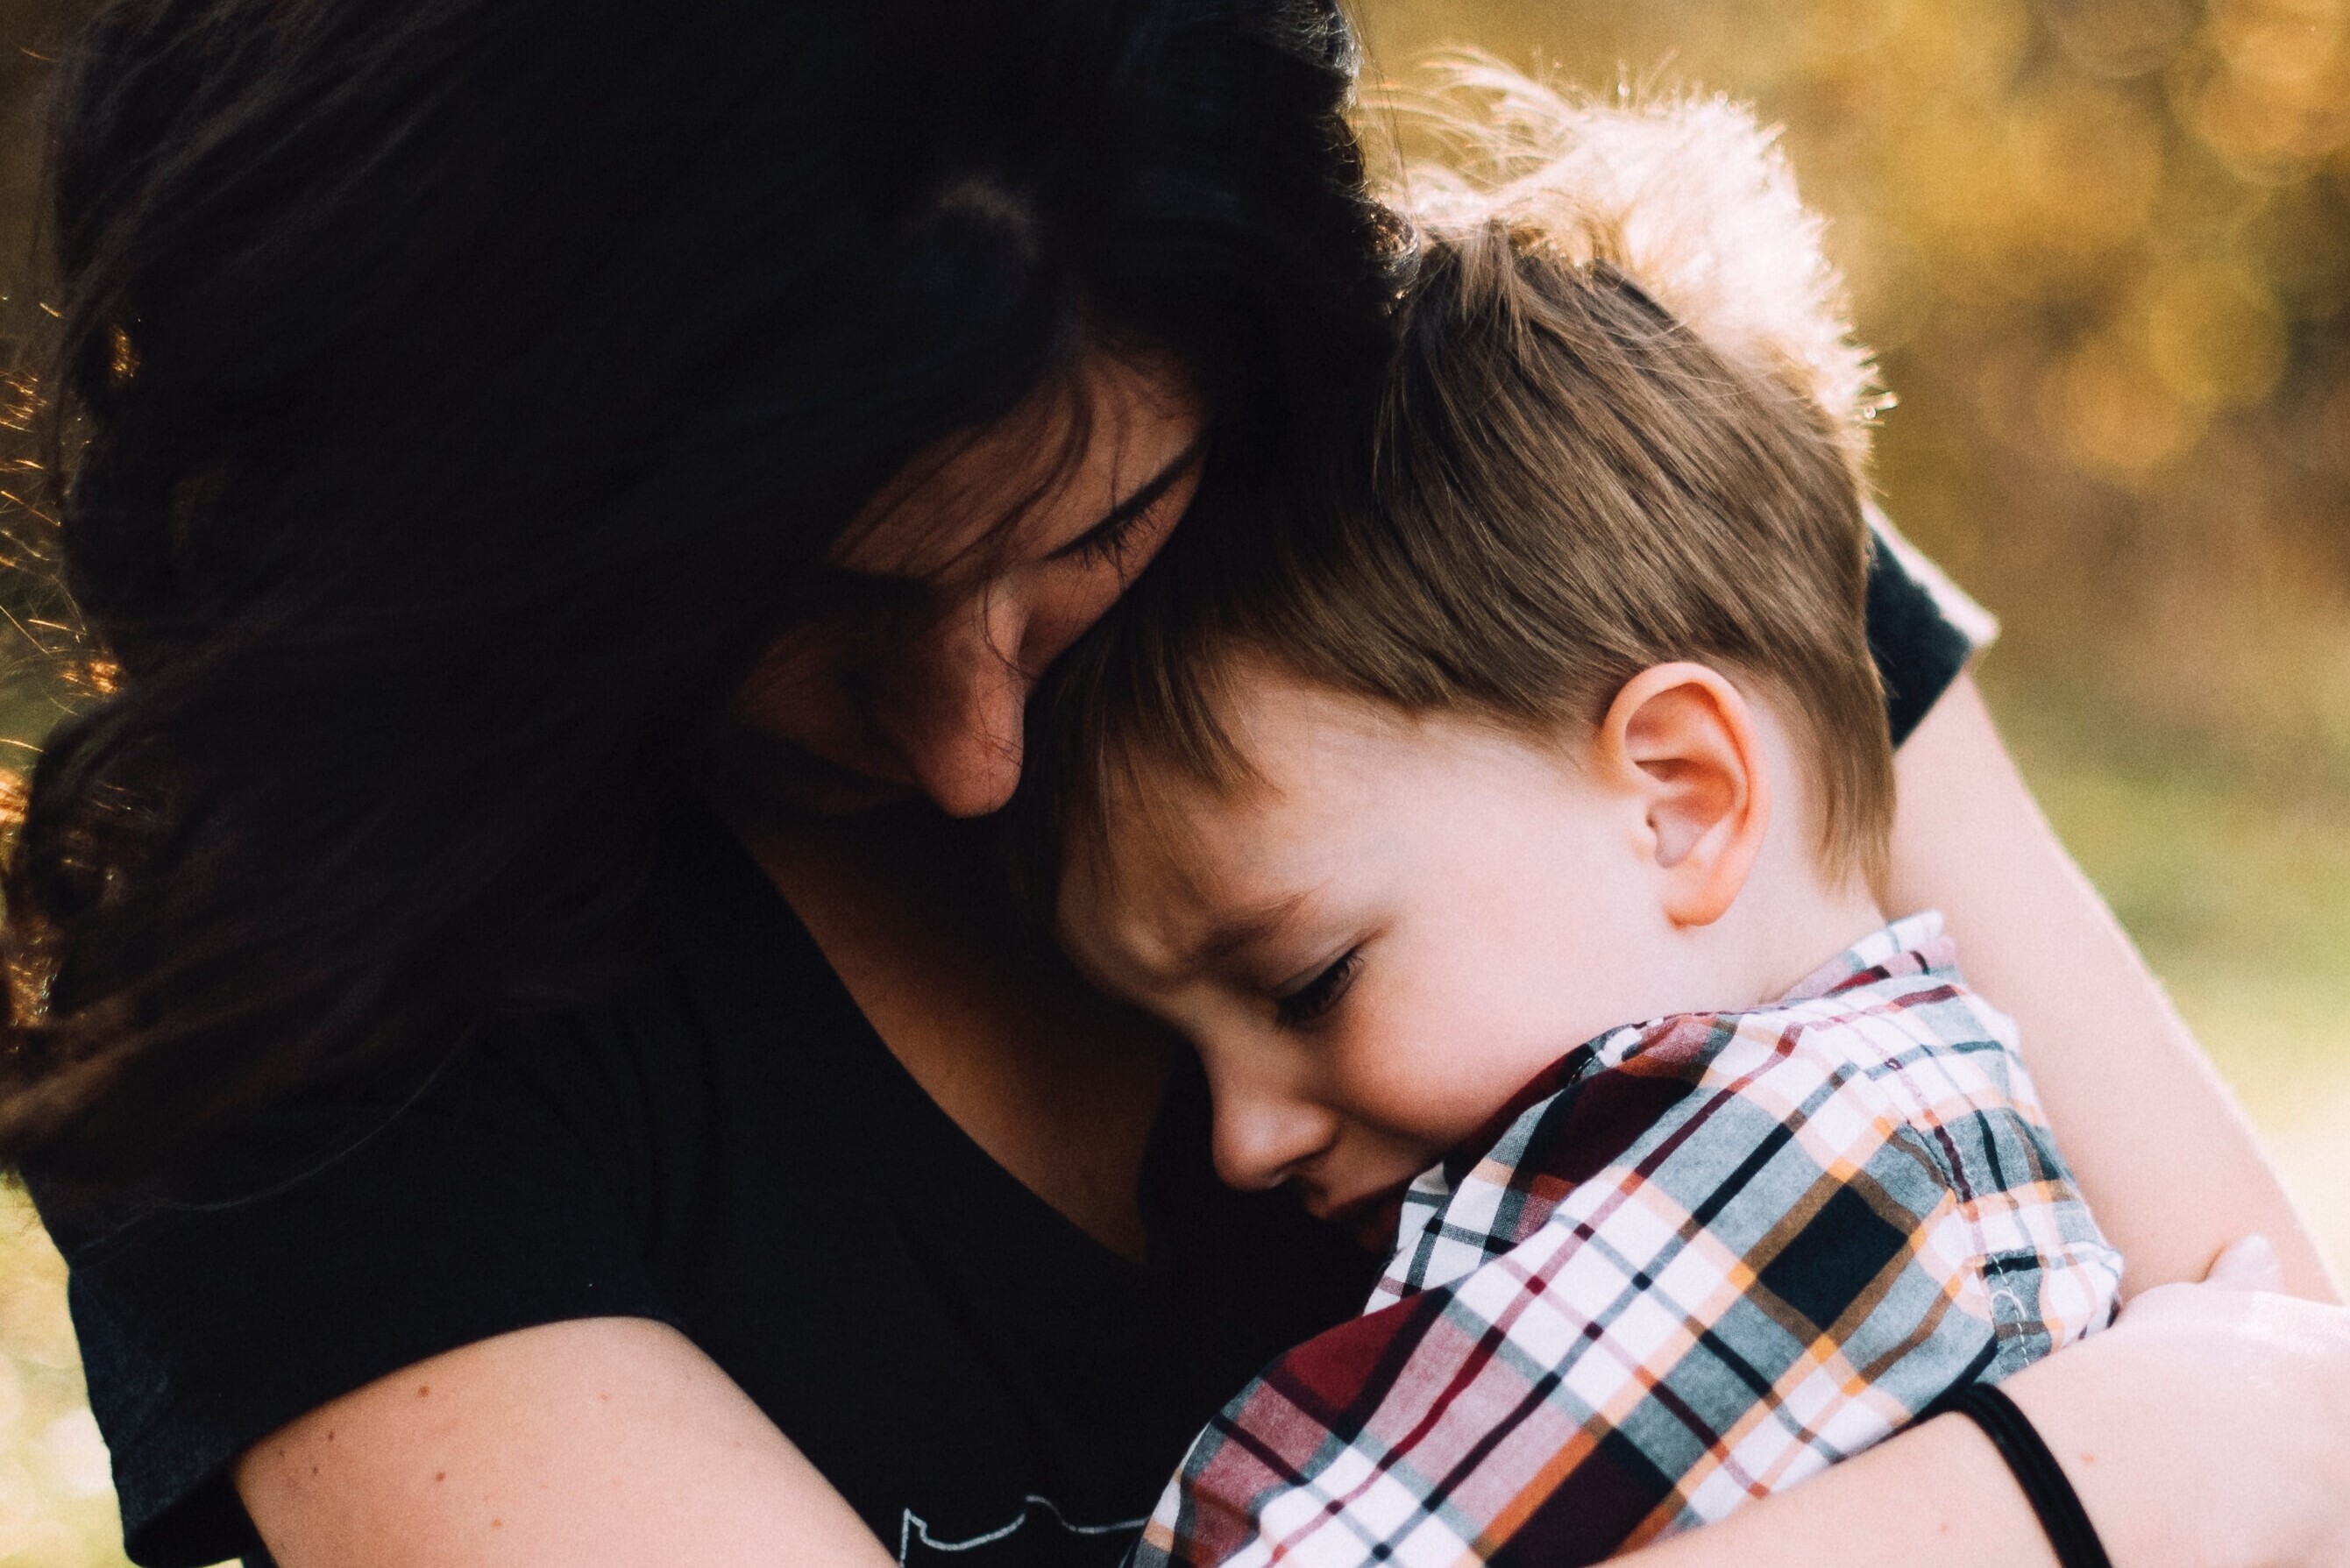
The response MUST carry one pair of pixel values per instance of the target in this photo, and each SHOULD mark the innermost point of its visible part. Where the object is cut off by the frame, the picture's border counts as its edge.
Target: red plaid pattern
(1701, 1258)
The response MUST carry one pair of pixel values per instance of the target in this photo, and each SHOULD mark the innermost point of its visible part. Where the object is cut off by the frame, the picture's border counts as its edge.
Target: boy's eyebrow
(1143, 499)
(1230, 934)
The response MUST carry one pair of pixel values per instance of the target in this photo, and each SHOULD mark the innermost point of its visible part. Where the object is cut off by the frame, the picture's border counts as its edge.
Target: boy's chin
(1371, 1222)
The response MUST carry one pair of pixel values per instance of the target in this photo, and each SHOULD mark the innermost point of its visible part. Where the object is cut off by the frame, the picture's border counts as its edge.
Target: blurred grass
(2104, 248)
(57, 1501)
(2237, 887)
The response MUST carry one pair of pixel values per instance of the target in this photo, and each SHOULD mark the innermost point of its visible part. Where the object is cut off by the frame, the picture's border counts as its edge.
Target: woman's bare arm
(2167, 1160)
(609, 1443)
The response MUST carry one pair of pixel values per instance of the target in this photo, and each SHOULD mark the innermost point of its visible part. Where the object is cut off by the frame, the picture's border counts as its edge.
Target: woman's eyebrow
(1141, 501)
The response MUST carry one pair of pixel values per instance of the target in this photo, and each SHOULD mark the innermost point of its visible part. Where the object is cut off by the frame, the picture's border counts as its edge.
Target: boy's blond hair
(1683, 194)
(1623, 426)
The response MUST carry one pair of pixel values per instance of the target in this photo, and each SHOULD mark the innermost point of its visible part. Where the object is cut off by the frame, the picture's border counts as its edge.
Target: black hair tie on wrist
(2035, 1470)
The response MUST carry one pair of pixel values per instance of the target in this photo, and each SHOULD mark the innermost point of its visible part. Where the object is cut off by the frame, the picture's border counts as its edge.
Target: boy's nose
(1262, 1140)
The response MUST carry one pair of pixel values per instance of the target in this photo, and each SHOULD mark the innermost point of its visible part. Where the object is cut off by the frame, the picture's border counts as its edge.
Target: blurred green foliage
(2103, 247)
(56, 1499)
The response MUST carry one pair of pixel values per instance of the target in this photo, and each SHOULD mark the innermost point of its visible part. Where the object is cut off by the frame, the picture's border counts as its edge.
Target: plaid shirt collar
(1472, 1206)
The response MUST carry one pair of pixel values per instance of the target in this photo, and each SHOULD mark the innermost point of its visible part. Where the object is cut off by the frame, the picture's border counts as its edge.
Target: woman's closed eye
(1107, 544)
(1147, 511)
(1320, 995)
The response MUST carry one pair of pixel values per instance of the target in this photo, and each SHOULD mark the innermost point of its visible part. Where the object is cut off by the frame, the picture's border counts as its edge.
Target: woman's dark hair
(448, 394)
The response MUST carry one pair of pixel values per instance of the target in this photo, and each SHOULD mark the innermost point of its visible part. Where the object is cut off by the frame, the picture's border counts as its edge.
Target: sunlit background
(2103, 248)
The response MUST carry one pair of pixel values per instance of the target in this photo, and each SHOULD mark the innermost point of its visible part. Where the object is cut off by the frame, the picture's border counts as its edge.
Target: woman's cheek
(790, 691)
(1060, 613)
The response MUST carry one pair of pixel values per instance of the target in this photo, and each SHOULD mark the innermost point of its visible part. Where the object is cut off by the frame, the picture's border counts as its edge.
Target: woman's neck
(1057, 1085)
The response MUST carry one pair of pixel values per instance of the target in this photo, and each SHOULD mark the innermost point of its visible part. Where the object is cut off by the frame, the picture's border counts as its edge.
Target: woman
(524, 1075)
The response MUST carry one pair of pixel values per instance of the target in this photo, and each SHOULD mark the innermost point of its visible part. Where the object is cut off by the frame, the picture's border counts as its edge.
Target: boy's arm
(2169, 1165)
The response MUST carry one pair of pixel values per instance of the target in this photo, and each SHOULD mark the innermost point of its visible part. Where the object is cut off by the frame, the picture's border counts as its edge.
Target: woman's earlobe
(1685, 740)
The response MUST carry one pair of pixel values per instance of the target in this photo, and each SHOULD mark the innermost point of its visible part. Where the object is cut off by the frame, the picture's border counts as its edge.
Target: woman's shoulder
(714, 976)
(1922, 627)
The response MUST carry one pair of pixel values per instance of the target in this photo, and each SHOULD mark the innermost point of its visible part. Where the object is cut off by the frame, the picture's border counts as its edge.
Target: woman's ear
(1684, 740)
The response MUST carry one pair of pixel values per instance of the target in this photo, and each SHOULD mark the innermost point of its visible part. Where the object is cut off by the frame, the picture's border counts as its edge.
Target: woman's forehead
(1036, 480)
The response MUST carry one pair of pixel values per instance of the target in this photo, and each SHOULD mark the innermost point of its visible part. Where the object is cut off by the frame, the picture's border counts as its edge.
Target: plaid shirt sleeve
(1717, 1254)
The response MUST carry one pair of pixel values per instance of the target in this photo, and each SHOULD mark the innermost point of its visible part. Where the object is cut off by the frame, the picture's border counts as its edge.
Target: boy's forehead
(1166, 831)
(1162, 856)
(1179, 863)
(1183, 874)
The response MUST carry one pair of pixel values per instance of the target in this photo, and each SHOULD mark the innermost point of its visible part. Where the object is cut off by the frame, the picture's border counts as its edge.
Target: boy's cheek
(1423, 1110)
(1446, 1059)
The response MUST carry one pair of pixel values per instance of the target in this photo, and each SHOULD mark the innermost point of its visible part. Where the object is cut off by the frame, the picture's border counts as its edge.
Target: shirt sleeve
(332, 1247)
(1922, 627)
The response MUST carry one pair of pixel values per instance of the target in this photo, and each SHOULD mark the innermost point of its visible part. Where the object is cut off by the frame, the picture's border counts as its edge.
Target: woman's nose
(958, 726)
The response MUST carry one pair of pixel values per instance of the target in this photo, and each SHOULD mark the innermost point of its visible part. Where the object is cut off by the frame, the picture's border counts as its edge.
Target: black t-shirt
(729, 1148)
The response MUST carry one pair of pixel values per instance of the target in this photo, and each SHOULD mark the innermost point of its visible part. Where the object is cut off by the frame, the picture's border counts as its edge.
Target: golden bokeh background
(2103, 247)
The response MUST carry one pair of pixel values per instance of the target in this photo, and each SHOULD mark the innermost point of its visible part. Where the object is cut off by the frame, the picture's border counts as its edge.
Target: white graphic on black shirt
(1041, 1537)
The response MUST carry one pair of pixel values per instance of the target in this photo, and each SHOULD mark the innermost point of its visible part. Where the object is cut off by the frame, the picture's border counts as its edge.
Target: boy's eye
(1320, 995)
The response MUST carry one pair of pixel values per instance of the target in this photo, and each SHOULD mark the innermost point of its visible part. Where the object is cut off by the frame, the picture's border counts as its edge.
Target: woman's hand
(2209, 1427)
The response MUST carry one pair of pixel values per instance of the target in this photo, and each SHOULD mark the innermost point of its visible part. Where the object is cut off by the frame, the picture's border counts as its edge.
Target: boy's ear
(1684, 740)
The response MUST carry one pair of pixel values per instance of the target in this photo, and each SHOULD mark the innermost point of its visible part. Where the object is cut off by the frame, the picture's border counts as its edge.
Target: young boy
(1568, 719)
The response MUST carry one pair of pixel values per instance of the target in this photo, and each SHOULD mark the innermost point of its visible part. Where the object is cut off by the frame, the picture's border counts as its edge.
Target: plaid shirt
(1698, 1260)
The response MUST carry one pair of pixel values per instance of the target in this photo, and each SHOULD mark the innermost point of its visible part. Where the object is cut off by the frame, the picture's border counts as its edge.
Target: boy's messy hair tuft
(1623, 425)
(1688, 195)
